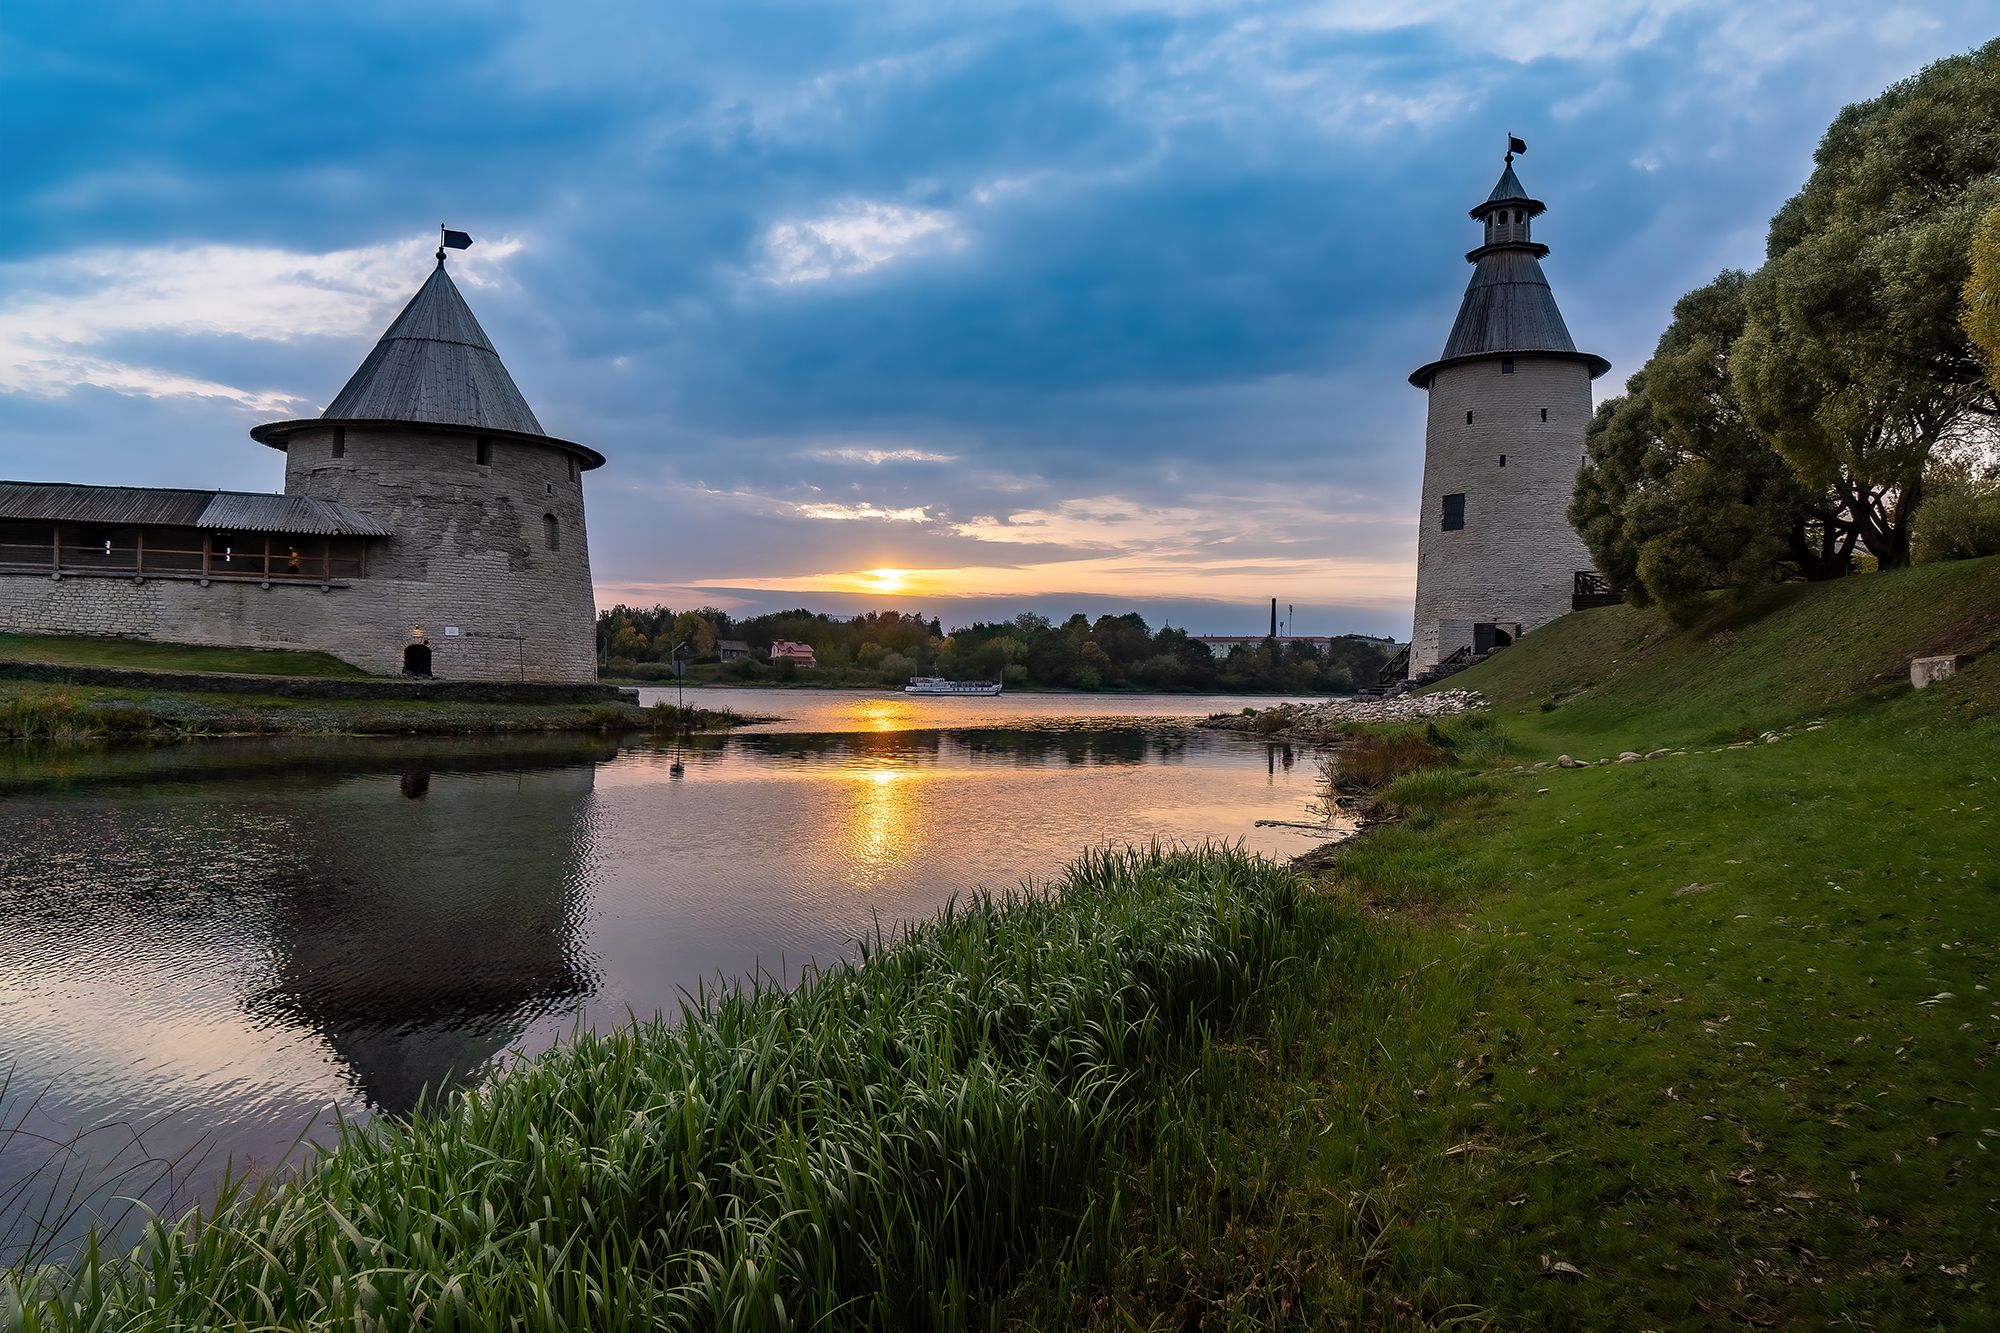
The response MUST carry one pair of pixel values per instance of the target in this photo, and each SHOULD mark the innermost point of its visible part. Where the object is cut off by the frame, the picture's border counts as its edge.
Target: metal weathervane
(451, 240)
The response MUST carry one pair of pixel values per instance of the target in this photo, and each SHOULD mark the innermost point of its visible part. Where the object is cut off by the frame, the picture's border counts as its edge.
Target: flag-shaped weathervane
(1514, 146)
(451, 240)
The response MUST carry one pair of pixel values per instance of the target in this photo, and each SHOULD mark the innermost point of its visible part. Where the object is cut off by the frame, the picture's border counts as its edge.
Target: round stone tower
(486, 573)
(1509, 401)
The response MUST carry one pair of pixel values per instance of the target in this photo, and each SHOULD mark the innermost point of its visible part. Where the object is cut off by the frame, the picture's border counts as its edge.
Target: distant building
(1222, 644)
(1509, 401)
(428, 525)
(732, 650)
(798, 654)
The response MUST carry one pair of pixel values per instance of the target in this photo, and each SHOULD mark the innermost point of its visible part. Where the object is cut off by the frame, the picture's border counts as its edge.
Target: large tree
(1981, 315)
(1853, 361)
(1681, 494)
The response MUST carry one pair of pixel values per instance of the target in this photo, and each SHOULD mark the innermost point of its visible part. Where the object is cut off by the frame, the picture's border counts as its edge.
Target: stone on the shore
(1926, 671)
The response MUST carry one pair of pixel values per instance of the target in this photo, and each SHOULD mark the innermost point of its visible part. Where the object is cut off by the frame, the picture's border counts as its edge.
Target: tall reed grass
(59, 715)
(877, 1146)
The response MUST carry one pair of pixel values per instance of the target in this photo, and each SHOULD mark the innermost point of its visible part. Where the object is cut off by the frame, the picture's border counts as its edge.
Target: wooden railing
(178, 553)
(1593, 589)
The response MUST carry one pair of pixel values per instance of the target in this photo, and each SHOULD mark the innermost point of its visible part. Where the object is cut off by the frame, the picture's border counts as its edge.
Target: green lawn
(81, 650)
(1716, 1031)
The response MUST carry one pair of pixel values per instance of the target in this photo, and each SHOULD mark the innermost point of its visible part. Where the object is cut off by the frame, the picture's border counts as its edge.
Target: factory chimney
(1274, 617)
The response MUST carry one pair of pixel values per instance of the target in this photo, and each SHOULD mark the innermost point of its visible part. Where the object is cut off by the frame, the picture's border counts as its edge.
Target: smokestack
(1274, 617)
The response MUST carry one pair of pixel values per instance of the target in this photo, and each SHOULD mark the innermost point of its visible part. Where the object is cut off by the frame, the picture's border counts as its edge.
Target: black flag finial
(1514, 146)
(451, 240)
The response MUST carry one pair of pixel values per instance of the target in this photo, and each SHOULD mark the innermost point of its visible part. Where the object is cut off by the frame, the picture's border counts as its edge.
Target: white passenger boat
(939, 685)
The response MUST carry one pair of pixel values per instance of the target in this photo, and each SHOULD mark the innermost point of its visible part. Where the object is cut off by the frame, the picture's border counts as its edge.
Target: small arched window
(552, 532)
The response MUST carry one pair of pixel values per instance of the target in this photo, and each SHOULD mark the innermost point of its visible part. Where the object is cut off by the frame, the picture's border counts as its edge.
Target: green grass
(83, 650)
(876, 1147)
(1717, 1031)
(32, 711)
(1621, 678)
(59, 714)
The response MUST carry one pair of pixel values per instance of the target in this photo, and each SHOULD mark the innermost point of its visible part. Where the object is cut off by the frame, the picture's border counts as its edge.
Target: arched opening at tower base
(417, 660)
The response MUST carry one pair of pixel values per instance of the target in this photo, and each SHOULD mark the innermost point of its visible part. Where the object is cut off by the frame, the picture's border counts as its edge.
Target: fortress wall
(172, 610)
(470, 552)
(1516, 558)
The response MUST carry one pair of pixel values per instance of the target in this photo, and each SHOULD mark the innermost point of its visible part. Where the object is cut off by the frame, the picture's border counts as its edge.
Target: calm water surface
(206, 949)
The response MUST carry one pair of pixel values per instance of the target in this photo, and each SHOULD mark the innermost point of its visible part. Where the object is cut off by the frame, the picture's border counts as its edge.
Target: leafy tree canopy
(1682, 494)
(1853, 362)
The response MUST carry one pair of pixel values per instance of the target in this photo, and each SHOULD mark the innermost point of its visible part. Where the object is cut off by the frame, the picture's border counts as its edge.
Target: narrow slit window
(1468, 418)
(482, 451)
(1503, 460)
(1545, 414)
(1507, 365)
(340, 441)
(1454, 512)
(552, 532)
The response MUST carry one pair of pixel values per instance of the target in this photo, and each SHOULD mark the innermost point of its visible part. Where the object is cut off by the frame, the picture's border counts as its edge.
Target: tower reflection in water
(421, 936)
(193, 938)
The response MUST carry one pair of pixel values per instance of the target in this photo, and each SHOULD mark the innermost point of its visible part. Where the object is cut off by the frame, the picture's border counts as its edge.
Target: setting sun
(888, 580)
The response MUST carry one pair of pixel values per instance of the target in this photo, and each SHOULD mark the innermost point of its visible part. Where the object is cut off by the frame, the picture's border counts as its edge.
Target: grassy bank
(63, 713)
(1702, 1041)
(878, 1146)
(87, 650)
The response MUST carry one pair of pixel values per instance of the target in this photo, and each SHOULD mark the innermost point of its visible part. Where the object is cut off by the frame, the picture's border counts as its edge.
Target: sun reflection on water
(880, 828)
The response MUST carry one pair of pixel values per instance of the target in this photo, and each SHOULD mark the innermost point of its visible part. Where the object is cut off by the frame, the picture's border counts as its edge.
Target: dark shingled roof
(146, 506)
(1508, 307)
(435, 365)
(1509, 190)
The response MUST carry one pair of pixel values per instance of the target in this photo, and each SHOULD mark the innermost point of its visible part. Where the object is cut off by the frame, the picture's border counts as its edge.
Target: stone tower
(486, 572)
(1509, 401)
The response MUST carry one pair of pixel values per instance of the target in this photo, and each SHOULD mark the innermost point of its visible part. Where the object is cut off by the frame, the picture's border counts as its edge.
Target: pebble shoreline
(1322, 720)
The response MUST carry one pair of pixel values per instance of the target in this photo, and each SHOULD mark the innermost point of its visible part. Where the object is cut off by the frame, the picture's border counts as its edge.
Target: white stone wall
(469, 552)
(1516, 558)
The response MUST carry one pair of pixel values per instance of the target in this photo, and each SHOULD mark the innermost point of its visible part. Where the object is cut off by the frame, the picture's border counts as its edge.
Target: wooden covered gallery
(136, 532)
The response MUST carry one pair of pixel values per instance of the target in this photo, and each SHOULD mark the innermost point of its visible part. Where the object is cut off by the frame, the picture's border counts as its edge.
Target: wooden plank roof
(147, 506)
(435, 365)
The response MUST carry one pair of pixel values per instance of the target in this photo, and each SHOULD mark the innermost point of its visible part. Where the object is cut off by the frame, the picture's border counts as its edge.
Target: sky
(965, 307)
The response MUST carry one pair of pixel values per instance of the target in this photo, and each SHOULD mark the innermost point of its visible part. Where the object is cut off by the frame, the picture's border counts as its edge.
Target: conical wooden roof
(435, 365)
(1508, 306)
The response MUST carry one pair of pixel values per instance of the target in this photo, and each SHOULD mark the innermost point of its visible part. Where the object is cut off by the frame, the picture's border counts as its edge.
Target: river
(207, 949)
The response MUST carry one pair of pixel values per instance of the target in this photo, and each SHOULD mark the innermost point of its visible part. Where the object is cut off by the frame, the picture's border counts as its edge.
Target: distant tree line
(1838, 406)
(889, 647)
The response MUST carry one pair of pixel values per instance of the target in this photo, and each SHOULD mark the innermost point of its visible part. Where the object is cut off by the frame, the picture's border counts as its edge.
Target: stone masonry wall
(177, 610)
(1516, 558)
(470, 552)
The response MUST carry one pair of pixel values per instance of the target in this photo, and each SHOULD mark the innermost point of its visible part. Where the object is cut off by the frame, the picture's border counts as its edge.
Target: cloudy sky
(1080, 305)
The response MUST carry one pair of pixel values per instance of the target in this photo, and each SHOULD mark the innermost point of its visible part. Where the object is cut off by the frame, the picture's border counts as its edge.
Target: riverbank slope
(1707, 1039)
(75, 687)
